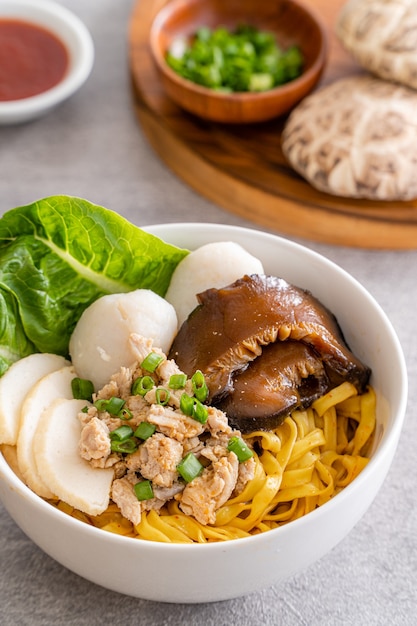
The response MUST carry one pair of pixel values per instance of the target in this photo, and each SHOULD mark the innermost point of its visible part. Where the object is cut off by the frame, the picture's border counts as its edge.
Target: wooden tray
(243, 169)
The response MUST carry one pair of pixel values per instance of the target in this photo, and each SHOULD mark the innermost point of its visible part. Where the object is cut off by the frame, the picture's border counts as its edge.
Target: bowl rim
(53, 17)
(386, 446)
(269, 94)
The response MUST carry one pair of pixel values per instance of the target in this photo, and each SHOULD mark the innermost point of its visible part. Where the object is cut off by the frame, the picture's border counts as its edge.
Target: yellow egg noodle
(300, 465)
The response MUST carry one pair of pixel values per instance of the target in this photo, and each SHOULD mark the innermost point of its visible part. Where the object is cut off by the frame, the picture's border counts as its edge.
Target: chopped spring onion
(189, 467)
(113, 406)
(142, 385)
(187, 404)
(177, 381)
(162, 396)
(143, 490)
(125, 414)
(240, 448)
(101, 404)
(151, 362)
(199, 384)
(82, 389)
(145, 430)
(192, 407)
(127, 446)
(239, 60)
(200, 412)
(121, 433)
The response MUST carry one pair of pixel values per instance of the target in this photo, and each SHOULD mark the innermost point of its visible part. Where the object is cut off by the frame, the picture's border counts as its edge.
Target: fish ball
(100, 346)
(212, 265)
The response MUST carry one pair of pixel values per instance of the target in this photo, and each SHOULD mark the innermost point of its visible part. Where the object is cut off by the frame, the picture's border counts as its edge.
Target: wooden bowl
(290, 21)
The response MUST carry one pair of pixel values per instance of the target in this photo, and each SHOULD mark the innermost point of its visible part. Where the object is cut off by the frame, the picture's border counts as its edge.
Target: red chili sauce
(32, 59)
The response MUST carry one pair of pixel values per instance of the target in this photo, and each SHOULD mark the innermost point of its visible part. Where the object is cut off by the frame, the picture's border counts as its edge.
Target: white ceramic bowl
(77, 39)
(218, 571)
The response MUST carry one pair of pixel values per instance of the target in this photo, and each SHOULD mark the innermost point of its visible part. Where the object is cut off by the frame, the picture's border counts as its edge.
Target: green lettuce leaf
(57, 256)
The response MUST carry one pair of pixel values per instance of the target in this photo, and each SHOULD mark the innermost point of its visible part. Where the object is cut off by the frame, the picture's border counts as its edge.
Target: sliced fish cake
(15, 384)
(51, 387)
(67, 475)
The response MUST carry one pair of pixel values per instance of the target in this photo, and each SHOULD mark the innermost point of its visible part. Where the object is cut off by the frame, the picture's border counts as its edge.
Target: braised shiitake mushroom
(263, 337)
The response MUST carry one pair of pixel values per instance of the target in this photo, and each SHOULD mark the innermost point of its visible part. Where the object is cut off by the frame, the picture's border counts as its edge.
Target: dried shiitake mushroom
(356, 138)
(382, 36)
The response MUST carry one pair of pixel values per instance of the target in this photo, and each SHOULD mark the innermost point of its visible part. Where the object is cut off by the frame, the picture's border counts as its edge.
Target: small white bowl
(78, 42)
(219, 571)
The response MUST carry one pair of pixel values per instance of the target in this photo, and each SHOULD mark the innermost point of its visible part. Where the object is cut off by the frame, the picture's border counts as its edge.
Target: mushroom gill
(230, 327)
(287, 375)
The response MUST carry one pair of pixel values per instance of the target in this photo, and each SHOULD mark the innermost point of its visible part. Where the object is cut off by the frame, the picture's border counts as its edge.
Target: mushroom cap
(382, 36)
(356, 138)
(232, 335)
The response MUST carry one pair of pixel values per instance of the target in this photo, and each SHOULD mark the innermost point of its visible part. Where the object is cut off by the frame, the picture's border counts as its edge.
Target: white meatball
(99, 345)
(213, 265)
